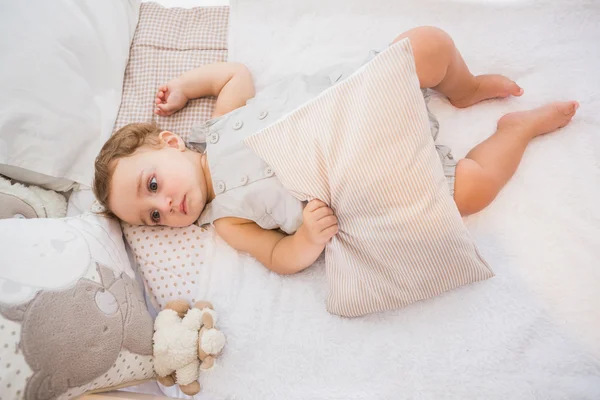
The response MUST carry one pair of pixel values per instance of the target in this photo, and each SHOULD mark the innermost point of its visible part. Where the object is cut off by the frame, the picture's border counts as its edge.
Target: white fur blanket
(533, 331)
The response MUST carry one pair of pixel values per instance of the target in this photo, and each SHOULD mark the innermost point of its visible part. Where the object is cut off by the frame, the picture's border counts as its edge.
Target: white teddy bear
(185, 341)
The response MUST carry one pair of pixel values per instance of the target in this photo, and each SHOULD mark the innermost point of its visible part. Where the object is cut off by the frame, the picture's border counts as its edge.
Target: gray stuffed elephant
(70, 337)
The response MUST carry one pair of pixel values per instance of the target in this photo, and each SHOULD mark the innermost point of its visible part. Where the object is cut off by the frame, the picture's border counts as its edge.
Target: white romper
(245, 186)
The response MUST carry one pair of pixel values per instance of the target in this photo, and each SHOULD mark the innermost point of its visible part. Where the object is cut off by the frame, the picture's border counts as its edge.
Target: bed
(533, 331)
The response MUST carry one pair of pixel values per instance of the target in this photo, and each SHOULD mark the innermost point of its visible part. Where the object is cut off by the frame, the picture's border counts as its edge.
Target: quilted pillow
(72, 315)
(364, 147)
(167, 43)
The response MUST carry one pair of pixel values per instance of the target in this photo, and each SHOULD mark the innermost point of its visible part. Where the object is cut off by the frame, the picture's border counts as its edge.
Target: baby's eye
(153, 185)
(155, 216)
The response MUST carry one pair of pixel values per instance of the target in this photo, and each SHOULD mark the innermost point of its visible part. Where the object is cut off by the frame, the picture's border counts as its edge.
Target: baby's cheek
(194, 217)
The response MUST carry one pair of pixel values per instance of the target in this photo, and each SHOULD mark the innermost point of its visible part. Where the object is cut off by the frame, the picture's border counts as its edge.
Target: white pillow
(62, 76)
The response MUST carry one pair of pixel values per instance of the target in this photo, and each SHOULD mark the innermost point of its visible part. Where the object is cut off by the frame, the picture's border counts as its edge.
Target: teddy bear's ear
(180, 306)
(208, 320)
(203, 304)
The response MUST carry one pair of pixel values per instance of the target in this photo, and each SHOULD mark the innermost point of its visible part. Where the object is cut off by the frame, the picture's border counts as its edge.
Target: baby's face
(163, 186)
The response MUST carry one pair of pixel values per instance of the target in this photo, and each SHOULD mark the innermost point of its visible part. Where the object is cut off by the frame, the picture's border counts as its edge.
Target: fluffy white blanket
(533, 331)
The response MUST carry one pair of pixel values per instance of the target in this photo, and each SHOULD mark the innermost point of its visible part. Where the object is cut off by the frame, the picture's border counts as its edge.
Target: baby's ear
(172, 140)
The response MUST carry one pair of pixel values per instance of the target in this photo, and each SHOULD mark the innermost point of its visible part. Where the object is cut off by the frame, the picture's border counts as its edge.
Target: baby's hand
(169, 99)
(319, 224)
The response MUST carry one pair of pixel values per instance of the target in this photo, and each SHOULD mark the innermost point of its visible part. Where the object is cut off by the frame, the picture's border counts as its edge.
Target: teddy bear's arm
(161, 370)
(189, 373)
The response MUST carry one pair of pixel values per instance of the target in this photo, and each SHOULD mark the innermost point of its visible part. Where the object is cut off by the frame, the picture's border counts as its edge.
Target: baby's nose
(167, 205)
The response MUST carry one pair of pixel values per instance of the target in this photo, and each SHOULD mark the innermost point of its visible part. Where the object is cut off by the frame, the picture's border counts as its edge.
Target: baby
(146, 176)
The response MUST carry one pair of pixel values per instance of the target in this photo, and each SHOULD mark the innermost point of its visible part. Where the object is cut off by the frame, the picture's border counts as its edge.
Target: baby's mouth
(182, 206)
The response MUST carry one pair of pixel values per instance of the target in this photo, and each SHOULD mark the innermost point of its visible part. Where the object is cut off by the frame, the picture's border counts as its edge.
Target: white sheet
(533, 331)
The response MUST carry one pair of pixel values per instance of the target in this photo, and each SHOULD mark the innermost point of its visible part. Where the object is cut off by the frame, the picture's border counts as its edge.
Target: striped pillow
(364, 147)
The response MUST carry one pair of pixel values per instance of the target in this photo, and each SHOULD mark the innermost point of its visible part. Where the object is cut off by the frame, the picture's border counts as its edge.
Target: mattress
(533, 331)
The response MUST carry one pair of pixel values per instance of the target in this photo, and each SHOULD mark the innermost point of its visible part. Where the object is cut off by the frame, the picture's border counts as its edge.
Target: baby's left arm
(281, 253)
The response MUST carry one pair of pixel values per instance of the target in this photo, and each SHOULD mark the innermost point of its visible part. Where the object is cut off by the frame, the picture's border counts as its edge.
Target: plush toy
(20, 201)
(185, 341)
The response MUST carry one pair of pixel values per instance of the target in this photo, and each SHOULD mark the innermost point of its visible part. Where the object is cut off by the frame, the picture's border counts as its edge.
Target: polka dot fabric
(170, 259)
(168, 42)
(15, 371)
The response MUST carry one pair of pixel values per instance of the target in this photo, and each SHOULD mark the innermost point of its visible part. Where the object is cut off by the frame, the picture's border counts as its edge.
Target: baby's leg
(489, 166)
(441, 67)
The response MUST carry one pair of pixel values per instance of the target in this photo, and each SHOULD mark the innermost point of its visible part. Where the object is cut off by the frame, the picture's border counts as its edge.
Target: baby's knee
(474, 189)
(433, 50)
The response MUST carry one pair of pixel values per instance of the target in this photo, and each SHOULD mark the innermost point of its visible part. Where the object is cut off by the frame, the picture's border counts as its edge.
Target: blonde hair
(122, 144)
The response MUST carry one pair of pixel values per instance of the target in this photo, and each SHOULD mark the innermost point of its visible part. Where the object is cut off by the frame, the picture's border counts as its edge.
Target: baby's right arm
(281, 253)
(231, 83)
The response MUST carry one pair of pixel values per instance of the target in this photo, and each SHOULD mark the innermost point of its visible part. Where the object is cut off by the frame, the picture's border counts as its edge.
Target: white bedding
(63, 65)
(533, 331)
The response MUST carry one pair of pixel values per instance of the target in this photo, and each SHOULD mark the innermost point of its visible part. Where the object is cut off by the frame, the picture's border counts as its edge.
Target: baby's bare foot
(488, 87)
(541, 120)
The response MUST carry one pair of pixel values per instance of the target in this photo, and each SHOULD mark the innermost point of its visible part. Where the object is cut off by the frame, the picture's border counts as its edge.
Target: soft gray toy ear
(138, 326)
(107, 276)
(14, 313)
(41, 387)
(15, 207)
(20, 201)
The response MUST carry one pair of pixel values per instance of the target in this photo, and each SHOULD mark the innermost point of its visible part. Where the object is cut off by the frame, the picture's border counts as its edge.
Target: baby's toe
(514, 89)
(569, 107)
